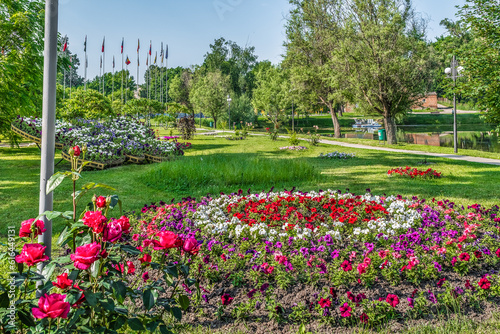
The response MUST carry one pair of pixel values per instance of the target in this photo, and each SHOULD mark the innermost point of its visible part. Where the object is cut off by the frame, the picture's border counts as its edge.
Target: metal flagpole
(100, 73)
(123, 40)
(156, 70)
(149, 70)
(161, 73)
(70, 81)
(166, 76)
(113, 82)
(85, 69)
(64, 83)
(138, 64)
(48, 123)
(103, 63)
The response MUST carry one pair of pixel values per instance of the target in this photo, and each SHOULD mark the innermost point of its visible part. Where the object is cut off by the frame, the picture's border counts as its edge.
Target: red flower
(77, 151)
(364, 318)
(484, 283)
(168, 240)
(32, 254)
(325, 303)
(393, 300)
(86, 255)
(125, 223)
(498, 252)
(226, 299)
(29, 226)
(131, 267)
(100, 202)
(346, 266)
(464, 257)
(51, 306)
(345, 310)
(112, 231)
(478, 254)
(333, 293)
(146, 258)
(95, 220)
(441, 282)
(191, 246)
(63, 282)
(145, 277)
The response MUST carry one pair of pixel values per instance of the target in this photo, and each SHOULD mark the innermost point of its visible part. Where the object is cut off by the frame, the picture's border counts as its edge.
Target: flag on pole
(123, 41)
(103, 40)
(101, 61)
(156, 55)
(127, 61)
(166, 53)
(147, 61)
(85, 44)
(113, 62)
(138, 45)
(138, 62)
(161, 53)
(86, 62)
(150, 49)
(65, 46)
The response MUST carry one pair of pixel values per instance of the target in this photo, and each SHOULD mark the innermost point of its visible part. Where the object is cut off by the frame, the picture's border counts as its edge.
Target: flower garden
(321, 260)
(108, 143)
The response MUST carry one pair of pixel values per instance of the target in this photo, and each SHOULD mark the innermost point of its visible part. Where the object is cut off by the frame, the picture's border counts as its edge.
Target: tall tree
(481, 59)
(272, 93)
(209, 94)
(385, 57)
(21, 61)
(180, 87)
(313, 33)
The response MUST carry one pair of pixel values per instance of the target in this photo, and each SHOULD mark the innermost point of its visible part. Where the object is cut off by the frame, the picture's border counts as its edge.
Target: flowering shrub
(106, 141)
(414, 172)
(337, 155)
(264, 246)
(293, 148)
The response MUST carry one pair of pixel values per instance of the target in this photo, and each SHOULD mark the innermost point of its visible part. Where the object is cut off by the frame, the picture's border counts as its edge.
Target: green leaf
(4, 300)
(76, 316)
(118, 323)
(183, 302)
(62, 236)
(55, 180)
(26, 318)
(165, 330)
(152, 326)
(148, 299)
(119, 291)
(177, 313)
(185, 270)
(94, 269)
(47, 271)
(67, 214)
(91, 298)
(135, 324)
(172, 271)
(130, 249)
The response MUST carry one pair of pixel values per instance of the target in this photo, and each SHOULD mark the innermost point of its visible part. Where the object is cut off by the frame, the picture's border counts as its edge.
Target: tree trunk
(335, 120)
(390, 128)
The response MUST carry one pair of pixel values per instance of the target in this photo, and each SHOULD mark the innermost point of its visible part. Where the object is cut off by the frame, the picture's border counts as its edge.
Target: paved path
(439, 155)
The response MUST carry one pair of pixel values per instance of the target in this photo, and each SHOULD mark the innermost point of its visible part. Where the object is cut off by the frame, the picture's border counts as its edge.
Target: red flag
(150, 49)
(138, 45)
(123, 40)
(113, 61)
(65, 44)
(127, 61)
(147, 61)
(102, 50)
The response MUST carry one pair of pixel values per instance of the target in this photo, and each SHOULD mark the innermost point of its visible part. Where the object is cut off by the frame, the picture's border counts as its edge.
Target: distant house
(427, 101)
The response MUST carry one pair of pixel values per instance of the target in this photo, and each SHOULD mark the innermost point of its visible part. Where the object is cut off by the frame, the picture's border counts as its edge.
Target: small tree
(186, 127)
(88, 104)
(209, 94)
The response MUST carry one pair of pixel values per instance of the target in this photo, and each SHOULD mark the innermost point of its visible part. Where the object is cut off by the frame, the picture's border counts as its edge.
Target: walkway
(439, 155)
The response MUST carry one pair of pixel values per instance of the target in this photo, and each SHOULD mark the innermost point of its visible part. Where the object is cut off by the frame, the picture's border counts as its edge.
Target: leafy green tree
(113, 85)
(272, 94)
(21, 61)
(315, 74)
(384, 57)
(481, 60)
(241, 111)
(209, 94)
(87, 104)
(143, 107)
(155, 77)
(180, 87)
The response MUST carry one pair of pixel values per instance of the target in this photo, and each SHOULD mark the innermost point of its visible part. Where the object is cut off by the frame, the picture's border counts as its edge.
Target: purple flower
(279, 245)
(264, 287)
(432, 297)
(438, 266)
(335, 254)
(205, 298)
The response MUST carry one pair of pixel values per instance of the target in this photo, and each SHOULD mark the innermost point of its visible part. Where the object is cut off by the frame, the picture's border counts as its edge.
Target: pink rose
(32, 254)
(63, 282)
(191, 246)
(95, 220)
(168, 240)
(125, 223)
(51, 306)
(112, 232)
(86, 255)
(29, 226)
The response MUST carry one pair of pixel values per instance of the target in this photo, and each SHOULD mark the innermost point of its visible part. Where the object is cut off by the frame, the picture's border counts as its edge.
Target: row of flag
(163, 52)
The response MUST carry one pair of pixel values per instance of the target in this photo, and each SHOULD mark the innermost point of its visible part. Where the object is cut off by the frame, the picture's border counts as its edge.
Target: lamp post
(453, 73)
(229, 109)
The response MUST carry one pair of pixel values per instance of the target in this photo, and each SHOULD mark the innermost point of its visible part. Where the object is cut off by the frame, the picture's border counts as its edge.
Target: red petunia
(345, 310)
(226, 299)
(393, 300)
(464, 257)
(346, 266)
(484, 283)
(364, 318)
(325, 303)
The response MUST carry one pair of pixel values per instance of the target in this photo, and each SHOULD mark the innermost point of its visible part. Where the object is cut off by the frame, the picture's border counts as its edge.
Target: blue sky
(189, 26)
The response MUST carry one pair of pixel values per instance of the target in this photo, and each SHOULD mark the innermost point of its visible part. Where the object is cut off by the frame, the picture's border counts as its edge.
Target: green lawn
(137, 185)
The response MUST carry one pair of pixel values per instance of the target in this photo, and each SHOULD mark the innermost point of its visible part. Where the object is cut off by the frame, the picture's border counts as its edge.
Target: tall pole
(103, 64)
(70, 81)
(293, 120)
(48, 121)
(166, 77)
(113, 82)
(86, 63)
(454, 66)
(64, 83)
(123, 39)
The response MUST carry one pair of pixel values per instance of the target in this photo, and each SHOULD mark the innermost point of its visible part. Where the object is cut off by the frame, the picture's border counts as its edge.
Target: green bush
(89, 104)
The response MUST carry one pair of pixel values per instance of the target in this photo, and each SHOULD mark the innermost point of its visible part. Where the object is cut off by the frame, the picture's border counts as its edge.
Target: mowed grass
(215, 165)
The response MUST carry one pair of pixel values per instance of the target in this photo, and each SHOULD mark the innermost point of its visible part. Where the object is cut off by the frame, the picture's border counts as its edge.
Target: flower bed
(324, 260)
(109, 142)
(293, 148)
(412, 173)
(337, 155)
